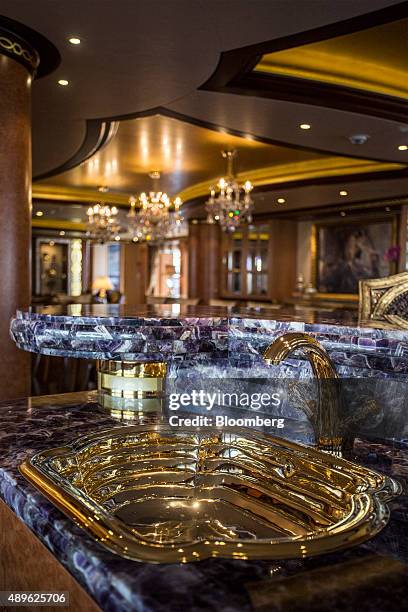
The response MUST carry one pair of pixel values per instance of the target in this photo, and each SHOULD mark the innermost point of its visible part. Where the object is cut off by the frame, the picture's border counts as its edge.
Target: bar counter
(372, 576)
(198, 344)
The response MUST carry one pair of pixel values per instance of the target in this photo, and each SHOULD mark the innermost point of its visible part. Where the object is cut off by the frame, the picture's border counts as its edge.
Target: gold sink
(156, 494)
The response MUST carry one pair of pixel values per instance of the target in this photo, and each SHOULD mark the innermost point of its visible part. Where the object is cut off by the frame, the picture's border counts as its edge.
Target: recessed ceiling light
(342, 214)
(387, 208)
(281, 200)
(343, 192)
(39, 213)
(63, 82)
(117, 238)
(74, 40)
(52, 243)
(402, 147)
(62, 233)
(305, 126)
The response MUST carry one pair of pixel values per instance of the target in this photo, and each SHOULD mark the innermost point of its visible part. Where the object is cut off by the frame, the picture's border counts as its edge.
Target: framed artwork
(347, 251)
(52, 263)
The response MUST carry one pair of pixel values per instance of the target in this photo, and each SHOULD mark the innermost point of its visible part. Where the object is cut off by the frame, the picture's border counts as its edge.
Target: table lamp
(101, 285)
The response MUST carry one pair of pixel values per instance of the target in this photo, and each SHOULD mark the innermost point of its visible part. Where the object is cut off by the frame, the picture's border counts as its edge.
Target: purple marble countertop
(371, 577)
(175, 314)
(165, 332)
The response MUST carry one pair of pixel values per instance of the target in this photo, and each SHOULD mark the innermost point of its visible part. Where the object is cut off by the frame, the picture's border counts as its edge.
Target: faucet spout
(288, 343)
(325, 417)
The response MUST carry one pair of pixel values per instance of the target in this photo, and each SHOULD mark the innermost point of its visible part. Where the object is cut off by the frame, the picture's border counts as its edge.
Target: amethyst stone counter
(210, 338)
(371, 577)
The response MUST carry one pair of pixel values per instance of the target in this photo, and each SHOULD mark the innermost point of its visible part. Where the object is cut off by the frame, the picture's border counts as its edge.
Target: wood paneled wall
(283, 258)
(204, 257)
(204, 242)
(134, 264)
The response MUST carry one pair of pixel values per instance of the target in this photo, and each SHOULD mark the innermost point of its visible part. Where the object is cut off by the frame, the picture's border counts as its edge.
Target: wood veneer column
(15, 219)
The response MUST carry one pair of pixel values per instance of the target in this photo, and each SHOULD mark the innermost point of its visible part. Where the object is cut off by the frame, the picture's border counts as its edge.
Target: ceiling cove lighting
(63, 82)
(343, 192)
(74, 40)
(230, 203)
(305, 126)
(402, 147)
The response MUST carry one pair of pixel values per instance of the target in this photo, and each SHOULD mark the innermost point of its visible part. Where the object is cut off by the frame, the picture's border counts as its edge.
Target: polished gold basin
(156, 494)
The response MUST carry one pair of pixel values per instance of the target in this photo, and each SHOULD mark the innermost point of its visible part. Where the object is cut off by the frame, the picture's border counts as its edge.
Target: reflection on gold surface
(374, 60)
(123, 384)
(152, 493)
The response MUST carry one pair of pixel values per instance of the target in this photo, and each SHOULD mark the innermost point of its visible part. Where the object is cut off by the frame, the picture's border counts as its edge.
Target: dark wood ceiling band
(98, 134)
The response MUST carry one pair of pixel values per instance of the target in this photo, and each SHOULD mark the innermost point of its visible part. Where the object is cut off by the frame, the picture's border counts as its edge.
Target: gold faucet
(325, 416)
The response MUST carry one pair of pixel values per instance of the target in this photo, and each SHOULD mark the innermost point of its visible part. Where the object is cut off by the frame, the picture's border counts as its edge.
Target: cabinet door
(245, 269)
(233, 260)
(257, 261)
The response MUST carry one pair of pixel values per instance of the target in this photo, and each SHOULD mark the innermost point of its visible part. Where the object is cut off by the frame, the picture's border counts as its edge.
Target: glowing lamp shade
(102, 284)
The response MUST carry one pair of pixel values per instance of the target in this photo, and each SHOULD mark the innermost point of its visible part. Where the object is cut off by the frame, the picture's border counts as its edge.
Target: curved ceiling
(138, 56)
(189, 161)
(372, 60)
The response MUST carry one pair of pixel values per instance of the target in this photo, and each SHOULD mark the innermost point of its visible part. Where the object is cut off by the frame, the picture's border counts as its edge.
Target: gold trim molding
(15, 48)
(377, 294)
(282, 173)
(59, 224)
(72, 195)
(364, 61)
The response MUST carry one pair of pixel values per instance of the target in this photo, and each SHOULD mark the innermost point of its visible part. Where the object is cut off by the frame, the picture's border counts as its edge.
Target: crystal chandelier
(102, 225)
(154, 216)
(232, 205)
